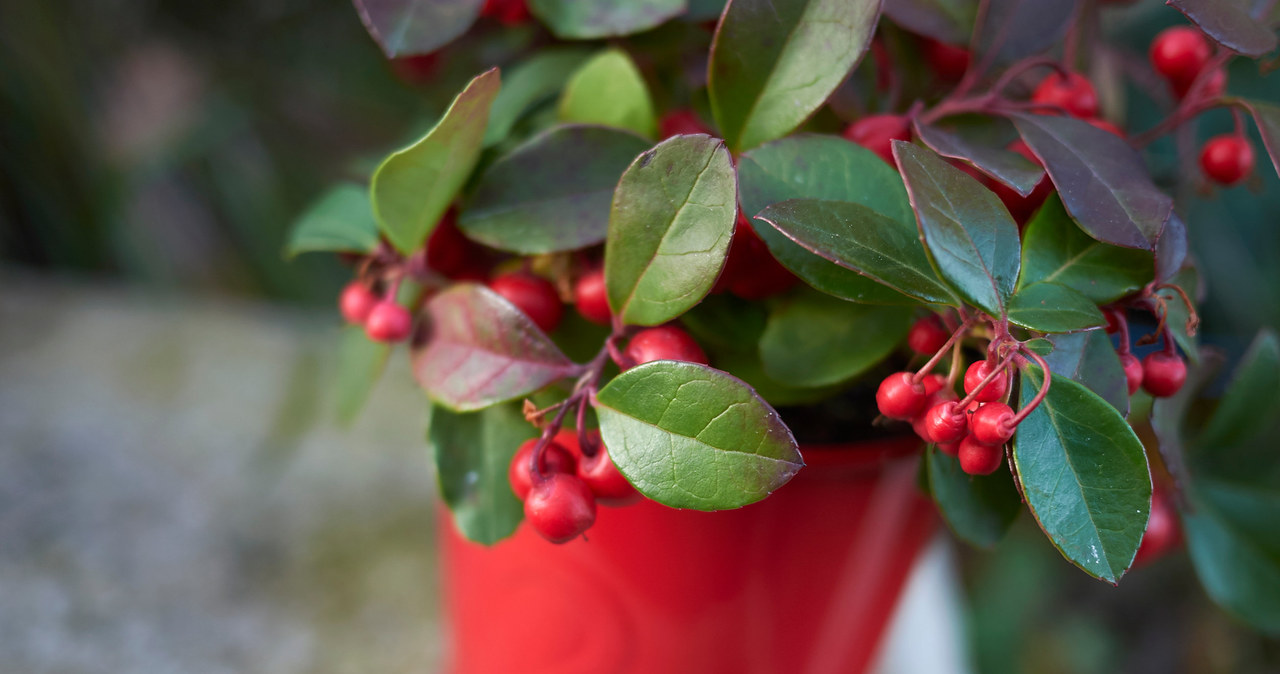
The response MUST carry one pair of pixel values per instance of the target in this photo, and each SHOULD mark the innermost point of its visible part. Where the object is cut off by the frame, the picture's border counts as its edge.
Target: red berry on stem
(977, 458)
(453, 254)
(949, 448)
(665, 342)
(992, 424)
(1215, 85)
(976, 373)
(1132, 371)
(927, 336)
(1227, 159)
(1163, 373)
(934, 382)
(560, 508)
(356, 301)
(388, 322)
(1163, 531)
(1074, 94)
(877, 133)
(937, 392)
(949, 62)
(899, 397)
(751, 272)
(592, 298)
(606, 482)
(946, 423)
(681, 122)
(1179, 54)
(532, 295)
(555, 459)
(508, 12)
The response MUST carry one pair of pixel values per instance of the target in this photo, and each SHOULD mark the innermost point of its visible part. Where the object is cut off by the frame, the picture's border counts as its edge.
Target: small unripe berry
(899, 397)
(592, 298)
(388, 322)
(1227, 159)
(946, 423)
(1180, 53)
(1074, 94)
(927, 335)
(555, 459)
(1163, 373)
(977, 458)
(533, 295)
(356, 301)
(978, 371)
(560, 508)
(664, 342)
(606, 482)
(992, 424)
(877, 133)
(1132, 371)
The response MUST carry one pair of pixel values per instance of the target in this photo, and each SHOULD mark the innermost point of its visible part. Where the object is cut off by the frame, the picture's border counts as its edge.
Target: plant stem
(942, 351)
(1044, 390)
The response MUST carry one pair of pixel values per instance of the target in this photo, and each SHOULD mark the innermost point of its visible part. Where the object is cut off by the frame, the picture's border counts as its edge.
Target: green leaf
(1252, 401)
(689, 436)
(1090, 359)
(414, 186)
(1230, 24)
(669, 230)
(1235, 566)
(534, 80)
(472, 454)
(340, 221)
(981, 141)
(773, 64)
(969, 234)
(1056, 250)
(592, 19)
(409, 27)
(816, 340)
(978, 508)
(1084, 475)
(725, 321)
(1267, 117)
(822, 167)
(360, 365)
(609, 90)
(857, 238)
(551, 193)
(1039, 345)
(949, 21)
(1049, 307)
(481, 350)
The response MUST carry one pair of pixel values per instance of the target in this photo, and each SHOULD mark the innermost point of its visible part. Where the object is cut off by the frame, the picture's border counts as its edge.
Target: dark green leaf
(1084, 475)
(340, 221)
(360, 365)
(949, 21)
(472, 454)
(817, 340)
(1055, 250)
(532, 81)
(669, 230)
(609, 90)
(969, 234)
(1049, 307)
(1228, 22)
(822, 167)
(982, 141)
(409, 27)
(857, 238)
(1252, 401)
(724, 321)
(1102, 180)
(1171, 248)
(1040, 345)
(413, 187)
(689, 436)
(1012, 29)
(1089, 358)
(978, 508)
(1236, 567)
(1267, 117)
(591, 19)
(774, 63)
(553, 192)
(480, 350)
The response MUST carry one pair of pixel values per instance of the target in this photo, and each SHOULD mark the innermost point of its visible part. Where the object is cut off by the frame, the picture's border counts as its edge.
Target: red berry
(1215, 85)
(555, 459)
(1180, 53)
(949, 448)
(453, 254)
(937, 392)
(974, 376)
(1163, 532)
(356, 301)
(1132, 371)
(665, 342)
(946, 423)
(417, 69)
(508, 12)
(992, 424)
(560, 508)
(606, 482)
(751, 272)
(680, 122)
(1020, 207)
(947, 61)
(1227, 159)
(1163, 373)
(532, 295)
(927, 336)
(1074, 94)
(977, 458)
(1113, 317)
(900, 398)
(388, 322)
(877, 133)
(592, 298)
(934, 382)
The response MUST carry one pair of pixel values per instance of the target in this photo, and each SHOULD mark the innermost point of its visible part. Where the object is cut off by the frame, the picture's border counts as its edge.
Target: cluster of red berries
(561, 494)
(1162, 373)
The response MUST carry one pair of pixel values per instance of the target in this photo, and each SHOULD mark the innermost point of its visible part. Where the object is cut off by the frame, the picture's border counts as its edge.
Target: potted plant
(667, 238)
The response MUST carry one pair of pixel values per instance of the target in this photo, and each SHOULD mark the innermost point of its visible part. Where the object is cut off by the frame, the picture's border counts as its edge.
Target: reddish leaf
(1267, 117)
(982, 142)
(1012, 29)
(409, 27)
(1171, 248)
(1229, 24)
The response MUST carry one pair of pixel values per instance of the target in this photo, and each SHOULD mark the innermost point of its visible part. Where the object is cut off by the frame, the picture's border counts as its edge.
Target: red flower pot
(803, 581)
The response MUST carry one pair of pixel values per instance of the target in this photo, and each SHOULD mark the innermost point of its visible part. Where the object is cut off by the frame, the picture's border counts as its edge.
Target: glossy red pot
(803, 581)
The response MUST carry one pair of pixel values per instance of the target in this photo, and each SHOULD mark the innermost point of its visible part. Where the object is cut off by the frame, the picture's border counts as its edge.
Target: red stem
(964, 327)
(1044, 390)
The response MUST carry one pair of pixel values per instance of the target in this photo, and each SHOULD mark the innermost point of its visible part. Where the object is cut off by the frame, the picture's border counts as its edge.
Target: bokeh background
(175, 493)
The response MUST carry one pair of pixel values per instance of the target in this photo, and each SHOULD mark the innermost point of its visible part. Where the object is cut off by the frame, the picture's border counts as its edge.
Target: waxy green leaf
(1233, 560)
(822, 167)
(774, 63)
(536, 79)
(479, 350)
(689, 436)
(1055, 250)
(982, 141)
(966, 230)
(1049, 307)
(1090, 359)
(409, 27)
(1103, 181)
(1084, 475)
(360, 365)
(1252, 401)
(340, 221)
(949, 21)
(472, 454)
(669, 229)
(978, 508)
(414, 186)
(1230, 24)
(609, 90)
(553, 192)
(857, 238)
(1267, 117)
(592, 19)
(816, 340)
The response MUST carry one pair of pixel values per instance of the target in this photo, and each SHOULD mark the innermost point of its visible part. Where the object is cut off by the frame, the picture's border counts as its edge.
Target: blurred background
(175, 493)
